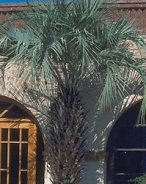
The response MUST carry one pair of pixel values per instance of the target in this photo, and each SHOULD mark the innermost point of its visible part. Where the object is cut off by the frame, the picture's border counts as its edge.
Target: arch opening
(126, 148)
(21, 145)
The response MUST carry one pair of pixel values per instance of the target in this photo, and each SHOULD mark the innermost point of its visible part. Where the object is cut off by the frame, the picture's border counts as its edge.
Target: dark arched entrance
(21, 145)
(126, 148)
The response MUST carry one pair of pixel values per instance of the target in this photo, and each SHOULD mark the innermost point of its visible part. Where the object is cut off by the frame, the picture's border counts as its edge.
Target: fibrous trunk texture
(67, 136)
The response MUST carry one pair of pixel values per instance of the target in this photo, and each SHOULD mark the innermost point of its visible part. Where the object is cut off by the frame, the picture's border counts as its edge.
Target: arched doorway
(126, 148)
(21, 146)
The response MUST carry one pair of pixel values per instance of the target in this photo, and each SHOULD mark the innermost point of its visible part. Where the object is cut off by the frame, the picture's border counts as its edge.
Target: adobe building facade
(116, 147)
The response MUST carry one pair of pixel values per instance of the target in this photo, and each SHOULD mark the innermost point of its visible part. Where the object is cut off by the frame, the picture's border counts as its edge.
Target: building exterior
(116, 148)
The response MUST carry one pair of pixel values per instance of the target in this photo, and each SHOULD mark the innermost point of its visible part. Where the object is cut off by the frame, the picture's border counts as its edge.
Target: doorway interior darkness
(126, 148)
(21, 147)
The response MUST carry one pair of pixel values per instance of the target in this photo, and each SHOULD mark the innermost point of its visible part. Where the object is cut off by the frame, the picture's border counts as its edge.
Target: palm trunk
(67, 136)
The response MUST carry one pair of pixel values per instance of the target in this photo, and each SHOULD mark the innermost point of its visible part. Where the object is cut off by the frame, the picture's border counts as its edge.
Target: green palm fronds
(69, 42)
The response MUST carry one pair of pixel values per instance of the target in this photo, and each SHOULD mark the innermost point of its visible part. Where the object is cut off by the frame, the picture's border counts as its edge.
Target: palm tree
(70, 42)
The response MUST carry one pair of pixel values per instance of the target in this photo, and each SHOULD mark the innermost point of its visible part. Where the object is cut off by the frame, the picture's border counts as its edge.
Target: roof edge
(128, 4)
(12, 7)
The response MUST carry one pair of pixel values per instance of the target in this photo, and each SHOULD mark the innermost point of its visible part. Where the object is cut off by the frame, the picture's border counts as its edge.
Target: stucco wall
(14, 84)
(100, 125)
(15, 87)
